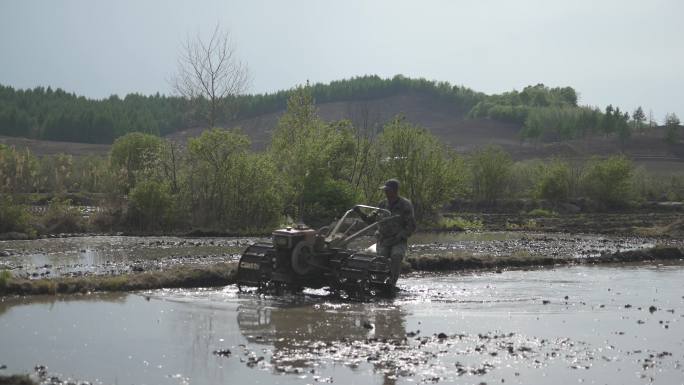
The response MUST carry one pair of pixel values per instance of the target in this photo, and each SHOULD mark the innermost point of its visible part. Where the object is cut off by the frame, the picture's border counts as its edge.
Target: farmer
(392, 236)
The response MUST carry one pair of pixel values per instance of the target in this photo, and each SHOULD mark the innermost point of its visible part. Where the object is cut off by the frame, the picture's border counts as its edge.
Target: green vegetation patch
(457, 224)
(209, 276)
(467, 261)
(456, 261)
(539, 212)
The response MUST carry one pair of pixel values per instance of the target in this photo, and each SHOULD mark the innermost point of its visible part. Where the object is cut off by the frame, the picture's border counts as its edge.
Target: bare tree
(210, 71)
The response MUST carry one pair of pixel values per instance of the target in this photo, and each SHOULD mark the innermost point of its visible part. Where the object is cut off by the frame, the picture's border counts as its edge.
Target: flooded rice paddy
(605, 324)
(113, 255)
(583, 324)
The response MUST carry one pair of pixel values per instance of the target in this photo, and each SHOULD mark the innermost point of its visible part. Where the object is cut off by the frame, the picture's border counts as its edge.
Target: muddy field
(610, 323)
(114, 255)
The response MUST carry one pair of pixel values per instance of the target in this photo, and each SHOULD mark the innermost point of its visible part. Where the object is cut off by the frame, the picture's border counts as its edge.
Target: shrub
(326, 201)
(524, 178)
(5, 276)
(490, 172)
(133, 155)
(458, 224)
(149, 206)
(62, 217)
(538, 212)
(430, 175)
(228, 188)
(609, 181)
(13, 217)
(555, 182)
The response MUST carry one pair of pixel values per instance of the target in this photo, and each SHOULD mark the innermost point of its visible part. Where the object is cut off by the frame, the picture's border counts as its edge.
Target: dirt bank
(179, 277)
(460, 261)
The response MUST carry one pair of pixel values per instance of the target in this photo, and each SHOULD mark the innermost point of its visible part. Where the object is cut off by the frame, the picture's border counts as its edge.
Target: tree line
(312, 171)
(544, 113)
(553, 114)
(44, 113)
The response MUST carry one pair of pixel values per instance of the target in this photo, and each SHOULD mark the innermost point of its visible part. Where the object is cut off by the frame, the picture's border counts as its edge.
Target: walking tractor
(299, 257)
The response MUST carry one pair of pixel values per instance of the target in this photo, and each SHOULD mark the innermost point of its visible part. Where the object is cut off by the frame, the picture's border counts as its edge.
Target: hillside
(51, 147)
(465, 134)
(537, 122)
(424, 110)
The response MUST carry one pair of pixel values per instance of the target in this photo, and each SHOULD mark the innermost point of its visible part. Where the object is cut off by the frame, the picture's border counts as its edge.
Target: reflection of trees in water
(290, 328)
(201, 328)
(10, 302)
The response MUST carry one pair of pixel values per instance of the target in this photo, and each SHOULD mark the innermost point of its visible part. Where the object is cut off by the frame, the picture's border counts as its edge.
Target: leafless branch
(211, 71)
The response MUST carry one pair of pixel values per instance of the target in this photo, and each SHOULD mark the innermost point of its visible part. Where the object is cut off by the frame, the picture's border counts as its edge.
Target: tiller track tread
(256, 265)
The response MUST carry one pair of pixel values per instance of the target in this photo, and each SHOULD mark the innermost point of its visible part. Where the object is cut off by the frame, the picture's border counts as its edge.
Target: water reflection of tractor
(287, 326)
(294, 328)
(301, 257)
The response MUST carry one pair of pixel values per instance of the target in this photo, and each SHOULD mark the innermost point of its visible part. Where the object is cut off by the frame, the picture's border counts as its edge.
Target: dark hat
(391, 184)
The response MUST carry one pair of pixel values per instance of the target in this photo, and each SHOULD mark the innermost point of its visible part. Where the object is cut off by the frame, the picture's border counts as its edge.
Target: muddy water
(110, 255)
(604, 324)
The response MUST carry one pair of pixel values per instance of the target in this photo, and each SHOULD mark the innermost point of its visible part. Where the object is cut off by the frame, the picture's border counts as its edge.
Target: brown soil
(47, 147)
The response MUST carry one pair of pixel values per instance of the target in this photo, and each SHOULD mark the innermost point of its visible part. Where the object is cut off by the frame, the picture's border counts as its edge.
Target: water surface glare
(618, 325)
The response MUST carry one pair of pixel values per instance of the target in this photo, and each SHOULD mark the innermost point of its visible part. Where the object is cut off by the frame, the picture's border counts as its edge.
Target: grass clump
(544, 213)
(466, 261)
(462, 261)
(62, 217)
(529, 225)
(5, 277)
(458, 224)
(14, 217)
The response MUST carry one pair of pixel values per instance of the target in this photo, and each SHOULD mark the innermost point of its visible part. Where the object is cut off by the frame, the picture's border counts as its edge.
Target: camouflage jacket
(399, 229)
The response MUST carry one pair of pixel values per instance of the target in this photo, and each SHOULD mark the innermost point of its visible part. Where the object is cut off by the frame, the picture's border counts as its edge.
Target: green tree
(622, 127)
(134, 154)
(18, 171)
(214, 158)
(60, 167)
(639, 117)
(228, 188)
(608, 120)
(555, 182)
(13, 216)
(150, 205)
(311, 153)
(672, 125)
(490, 170)
(609, 181)
(430, 175)
(92, 173)
(258, 194)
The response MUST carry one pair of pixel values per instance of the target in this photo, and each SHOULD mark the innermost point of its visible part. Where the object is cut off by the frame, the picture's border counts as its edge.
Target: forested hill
(537, 112)
(44, 113)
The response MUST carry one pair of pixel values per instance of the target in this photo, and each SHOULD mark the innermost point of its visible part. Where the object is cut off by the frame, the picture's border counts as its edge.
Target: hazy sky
(625, 52)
